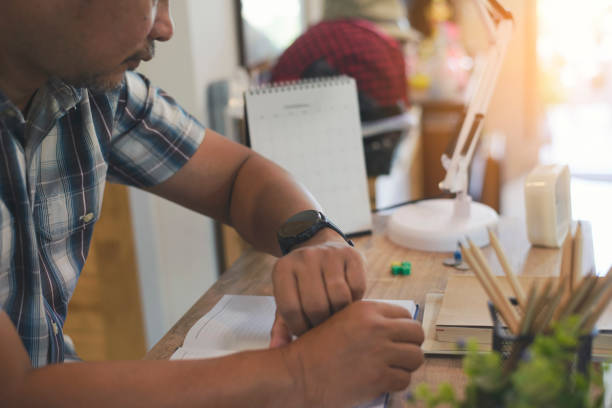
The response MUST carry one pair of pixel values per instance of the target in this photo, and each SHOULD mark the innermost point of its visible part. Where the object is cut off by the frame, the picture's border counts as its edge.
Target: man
(71, 117)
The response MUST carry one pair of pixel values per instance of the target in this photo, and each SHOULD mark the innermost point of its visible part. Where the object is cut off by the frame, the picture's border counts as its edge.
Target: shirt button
(87, 217)
(55, 329)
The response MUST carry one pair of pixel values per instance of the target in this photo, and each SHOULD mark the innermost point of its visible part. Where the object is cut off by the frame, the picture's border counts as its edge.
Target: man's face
(87, 43)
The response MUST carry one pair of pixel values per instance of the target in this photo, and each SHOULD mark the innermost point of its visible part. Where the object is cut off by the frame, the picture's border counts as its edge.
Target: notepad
(239, 323)
(312, 129)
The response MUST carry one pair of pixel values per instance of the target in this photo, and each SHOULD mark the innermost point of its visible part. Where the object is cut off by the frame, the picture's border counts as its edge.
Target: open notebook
(238, 323)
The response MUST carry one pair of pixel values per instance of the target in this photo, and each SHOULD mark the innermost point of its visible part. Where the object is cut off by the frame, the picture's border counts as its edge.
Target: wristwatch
(303, 226)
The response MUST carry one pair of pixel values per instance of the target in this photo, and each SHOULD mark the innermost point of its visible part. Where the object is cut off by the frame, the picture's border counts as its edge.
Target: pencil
(597, 293)
(541, 302)
(590, 293)
(516, 286)
(529, 309)
(549, 310)
(502, 299)
(577, 255)
(566, 262)
(505, 314)
(577, 297)
(599, 309)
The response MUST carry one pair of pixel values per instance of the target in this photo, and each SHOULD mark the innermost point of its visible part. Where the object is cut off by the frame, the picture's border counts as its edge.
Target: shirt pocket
(63, 215)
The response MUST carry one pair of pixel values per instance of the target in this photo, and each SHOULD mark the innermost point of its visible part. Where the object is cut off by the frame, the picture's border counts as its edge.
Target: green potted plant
(543, 377)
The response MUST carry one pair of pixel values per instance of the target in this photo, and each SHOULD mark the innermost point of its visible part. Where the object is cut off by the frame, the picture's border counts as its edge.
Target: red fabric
(356, 48)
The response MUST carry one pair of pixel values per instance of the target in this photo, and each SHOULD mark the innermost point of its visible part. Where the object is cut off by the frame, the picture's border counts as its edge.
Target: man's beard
(96, 83)
(105, 82)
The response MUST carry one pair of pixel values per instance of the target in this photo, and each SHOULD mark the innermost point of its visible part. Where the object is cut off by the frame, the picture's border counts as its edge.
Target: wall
(176, 247)
(513, 110)
(314, 10)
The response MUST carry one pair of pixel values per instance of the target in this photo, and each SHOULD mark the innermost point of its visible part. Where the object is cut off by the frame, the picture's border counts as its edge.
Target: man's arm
(260, 377)
(236, 185)
(363, 351)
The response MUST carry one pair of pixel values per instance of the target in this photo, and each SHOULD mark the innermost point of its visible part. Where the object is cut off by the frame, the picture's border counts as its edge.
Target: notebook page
(237, 323)
(313, 130)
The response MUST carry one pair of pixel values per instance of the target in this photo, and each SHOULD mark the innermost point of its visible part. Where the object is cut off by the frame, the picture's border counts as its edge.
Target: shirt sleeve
(153, 137)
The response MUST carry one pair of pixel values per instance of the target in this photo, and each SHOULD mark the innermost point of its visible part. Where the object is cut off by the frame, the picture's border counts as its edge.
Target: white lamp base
(437, 225)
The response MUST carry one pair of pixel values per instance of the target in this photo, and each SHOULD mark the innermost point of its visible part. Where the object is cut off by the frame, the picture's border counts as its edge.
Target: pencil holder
(503, 341)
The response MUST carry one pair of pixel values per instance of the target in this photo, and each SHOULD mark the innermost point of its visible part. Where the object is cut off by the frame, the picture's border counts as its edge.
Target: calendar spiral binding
(301, 84)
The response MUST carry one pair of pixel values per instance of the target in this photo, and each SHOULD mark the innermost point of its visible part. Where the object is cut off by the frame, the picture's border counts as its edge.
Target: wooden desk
(250, 275)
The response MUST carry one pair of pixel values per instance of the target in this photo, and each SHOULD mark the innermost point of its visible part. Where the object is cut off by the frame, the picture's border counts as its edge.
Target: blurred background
(151, 260)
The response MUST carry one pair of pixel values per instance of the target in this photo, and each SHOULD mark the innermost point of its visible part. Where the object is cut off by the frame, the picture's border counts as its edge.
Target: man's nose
(163, 27)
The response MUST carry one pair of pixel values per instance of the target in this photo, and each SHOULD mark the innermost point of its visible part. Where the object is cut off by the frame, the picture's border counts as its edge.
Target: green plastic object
(403, 268)
(406, 268)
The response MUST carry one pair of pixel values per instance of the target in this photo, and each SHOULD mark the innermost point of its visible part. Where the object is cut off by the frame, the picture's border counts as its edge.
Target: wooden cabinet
(105, 318)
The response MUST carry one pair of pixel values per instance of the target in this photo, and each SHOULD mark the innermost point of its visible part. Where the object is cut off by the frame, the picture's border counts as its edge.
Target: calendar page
(312, 129)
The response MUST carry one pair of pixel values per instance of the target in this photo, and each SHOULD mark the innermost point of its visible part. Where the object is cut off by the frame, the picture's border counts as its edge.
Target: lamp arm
(456, 167)
(487, 20)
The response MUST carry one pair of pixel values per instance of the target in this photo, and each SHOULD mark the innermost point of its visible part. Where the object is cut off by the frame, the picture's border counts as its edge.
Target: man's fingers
(280, 334)
(338, 291)
(397, 379)
(288, 299)
(355, 273)
(313, 283)
(391, 311)
(313, 294)
(406, 331)
(406, 356)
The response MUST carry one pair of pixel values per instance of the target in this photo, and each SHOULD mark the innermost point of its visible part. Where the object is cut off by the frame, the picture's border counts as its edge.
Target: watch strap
(287, 243)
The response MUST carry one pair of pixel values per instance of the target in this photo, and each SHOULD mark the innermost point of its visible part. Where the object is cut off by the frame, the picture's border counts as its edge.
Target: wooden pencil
(596, 313)
(577, 273)
(549, 310)
(541, 302)
(577, 297)
(486, 285)
(529, 309)
(590, 293)
(566, 262)
(488, 275)
(503, 260)
(597, 292)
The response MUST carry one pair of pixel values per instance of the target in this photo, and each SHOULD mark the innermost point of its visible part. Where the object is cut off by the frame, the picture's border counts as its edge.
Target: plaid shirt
(53, 168)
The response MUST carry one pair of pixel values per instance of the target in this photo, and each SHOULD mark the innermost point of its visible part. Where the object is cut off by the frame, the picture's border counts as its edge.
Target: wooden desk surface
(250, 275)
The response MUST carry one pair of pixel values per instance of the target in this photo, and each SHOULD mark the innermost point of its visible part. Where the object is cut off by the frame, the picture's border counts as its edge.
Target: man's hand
(359, 353)
(314, 281)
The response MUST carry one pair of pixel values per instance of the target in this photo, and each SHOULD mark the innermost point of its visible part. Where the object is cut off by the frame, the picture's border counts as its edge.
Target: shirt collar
(8, 111)
(55, 95)
(60, 95)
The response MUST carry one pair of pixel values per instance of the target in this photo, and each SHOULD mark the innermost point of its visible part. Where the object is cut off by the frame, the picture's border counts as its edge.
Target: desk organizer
(503, 341)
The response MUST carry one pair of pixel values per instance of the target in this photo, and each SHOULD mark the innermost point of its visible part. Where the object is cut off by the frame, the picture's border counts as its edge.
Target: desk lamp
(438, 224)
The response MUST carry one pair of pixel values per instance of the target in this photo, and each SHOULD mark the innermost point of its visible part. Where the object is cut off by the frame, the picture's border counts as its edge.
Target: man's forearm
(263, 197)
(258, 378)
(234, 184)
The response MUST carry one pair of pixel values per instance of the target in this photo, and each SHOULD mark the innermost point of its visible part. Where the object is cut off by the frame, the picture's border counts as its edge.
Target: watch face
(299, 223)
